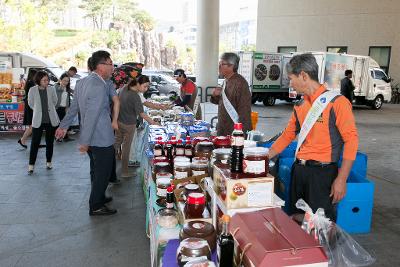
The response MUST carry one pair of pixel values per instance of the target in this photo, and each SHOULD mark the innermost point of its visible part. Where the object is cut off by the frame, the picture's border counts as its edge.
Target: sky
(171, 10)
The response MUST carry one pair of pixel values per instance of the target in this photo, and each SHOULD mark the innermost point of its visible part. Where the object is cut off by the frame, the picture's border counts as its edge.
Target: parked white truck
(28, 61)
(268, 80)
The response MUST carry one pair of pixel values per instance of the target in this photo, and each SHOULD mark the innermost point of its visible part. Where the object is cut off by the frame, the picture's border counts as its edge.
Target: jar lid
(162, 175)
(182, 164)
(222, 141)
(196, 198)
(163, 181)
(162, 164)
(205, 143)
(200, 160)
(181, 159)
(194, 247)
(255, 151)
(191, 186)
(199, 164)
(198, 229)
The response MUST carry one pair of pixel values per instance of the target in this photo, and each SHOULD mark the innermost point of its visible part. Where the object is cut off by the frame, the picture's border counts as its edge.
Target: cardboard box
(270, 238)
(243, 192)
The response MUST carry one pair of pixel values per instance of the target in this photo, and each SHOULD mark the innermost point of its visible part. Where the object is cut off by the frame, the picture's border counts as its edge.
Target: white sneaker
(49, 166)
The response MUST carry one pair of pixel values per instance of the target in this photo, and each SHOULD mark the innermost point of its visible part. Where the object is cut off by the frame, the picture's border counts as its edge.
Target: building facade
(360, 27)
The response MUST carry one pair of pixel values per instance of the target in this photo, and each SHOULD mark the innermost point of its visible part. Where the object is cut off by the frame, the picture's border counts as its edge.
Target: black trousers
(113, 176)
(36, 137)
(313, 184)
(101, 159)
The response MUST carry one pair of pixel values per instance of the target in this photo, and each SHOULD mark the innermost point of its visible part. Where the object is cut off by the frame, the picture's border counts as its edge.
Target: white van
(28, 61)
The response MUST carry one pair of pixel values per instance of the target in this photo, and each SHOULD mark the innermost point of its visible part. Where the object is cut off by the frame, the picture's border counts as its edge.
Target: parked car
(165, 83)
(153, 90)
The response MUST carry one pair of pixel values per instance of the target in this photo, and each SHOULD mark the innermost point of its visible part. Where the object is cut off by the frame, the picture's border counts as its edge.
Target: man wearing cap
(188, 92)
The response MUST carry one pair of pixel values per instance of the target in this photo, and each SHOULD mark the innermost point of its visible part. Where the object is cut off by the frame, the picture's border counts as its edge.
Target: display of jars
(204, 149)
(255, 161)
(182, 169)
(199, 229)
(194, 206)
(199, 168)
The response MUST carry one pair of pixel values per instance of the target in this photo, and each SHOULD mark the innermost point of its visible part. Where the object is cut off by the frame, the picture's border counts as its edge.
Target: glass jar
(181, 158)
(160, 159)
(192, 248)
(221, 158)
(199, 168)
(161, 167)
(182, 169)
(162, 184)
(167, 218)
(194, 206)
(255, 161)
(204, 149)
(191, 188)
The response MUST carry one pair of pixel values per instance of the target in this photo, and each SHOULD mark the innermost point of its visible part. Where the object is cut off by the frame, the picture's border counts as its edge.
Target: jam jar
(161, 167)
(182, 169)
(199, 168)
(255, 161)
(192, 248)
(191, 188)
(221, 158)
(199, 229)
(222, 142)
(160, 159)
(204, 149)
(194, 206)
(162, 184)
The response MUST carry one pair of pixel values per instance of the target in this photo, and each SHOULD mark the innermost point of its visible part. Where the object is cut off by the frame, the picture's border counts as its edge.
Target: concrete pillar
(207, 44)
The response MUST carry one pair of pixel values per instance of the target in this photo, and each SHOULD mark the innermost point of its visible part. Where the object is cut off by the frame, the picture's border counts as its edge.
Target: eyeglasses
(224, 64)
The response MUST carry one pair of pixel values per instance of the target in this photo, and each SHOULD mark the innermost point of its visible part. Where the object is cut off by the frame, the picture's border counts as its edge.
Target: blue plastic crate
(354, 212)
(360, 165)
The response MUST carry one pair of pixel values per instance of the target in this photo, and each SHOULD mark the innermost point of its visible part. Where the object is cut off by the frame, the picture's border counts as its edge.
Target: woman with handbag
(63, 91)
(42, 99)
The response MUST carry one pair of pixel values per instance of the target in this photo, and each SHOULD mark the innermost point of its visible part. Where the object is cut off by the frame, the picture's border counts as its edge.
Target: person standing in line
(42, 99)
(322, 137)
(131, 108)
(97, 136)
(28, 112)
(234, 98)
(63, 91)
(73, 72)
(347, 86)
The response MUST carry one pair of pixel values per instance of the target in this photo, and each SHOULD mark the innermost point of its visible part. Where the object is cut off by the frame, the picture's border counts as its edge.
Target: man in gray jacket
(97, 136)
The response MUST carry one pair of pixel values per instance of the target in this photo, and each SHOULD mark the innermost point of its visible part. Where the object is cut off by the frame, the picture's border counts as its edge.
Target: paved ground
(44, 218)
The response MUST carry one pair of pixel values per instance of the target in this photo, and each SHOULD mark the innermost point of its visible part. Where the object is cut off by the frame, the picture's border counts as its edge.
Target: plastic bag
(340, 247)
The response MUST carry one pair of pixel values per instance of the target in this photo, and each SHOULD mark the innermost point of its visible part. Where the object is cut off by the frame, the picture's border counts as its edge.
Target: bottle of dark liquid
(225, 244)
(158, 148)
(237, 144)
(188, 148)
(169, 151)
(180, 148)
(170, 197)
(173, 142)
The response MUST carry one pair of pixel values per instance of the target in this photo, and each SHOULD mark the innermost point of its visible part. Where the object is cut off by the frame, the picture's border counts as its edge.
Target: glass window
(336, 49)
(380, 75)
(382, 56)
(287, 49)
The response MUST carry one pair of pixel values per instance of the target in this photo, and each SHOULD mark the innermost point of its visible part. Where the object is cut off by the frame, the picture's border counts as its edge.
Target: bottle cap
(170, 189)
(180, 141)
(226, 218)
(238, 126)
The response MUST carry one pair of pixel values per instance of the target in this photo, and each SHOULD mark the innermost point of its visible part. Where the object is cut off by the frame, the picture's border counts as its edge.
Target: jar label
(237, 141)
(254, 167)
(180, 175)
(180, 151)
(188, 152)
(161, 192)
(198, 172)
(157, 153)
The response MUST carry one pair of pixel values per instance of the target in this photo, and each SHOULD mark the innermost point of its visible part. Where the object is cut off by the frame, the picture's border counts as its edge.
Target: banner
(11, 117)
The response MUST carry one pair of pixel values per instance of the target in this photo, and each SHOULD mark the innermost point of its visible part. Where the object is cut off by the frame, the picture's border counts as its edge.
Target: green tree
(97, 10)
(144, 20)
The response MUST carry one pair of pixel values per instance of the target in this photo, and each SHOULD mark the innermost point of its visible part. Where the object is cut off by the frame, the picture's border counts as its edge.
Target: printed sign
(11, 117)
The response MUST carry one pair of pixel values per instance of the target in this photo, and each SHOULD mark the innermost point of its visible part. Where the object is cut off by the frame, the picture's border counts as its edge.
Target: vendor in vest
(324, 124)
(234, 98)
(188, 94)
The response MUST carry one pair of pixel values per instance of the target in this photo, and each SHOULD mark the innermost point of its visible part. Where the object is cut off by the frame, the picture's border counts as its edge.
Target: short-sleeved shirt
(131, 106)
